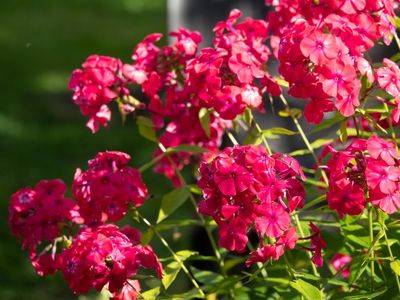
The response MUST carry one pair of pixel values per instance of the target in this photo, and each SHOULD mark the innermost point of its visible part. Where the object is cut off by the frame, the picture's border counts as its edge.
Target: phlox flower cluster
(320, 46)
(105, 255)
(245, 188)
(96, 85)
(105, 190)
(37, 215)
(366, 171)
(227, 78)
(99, 254)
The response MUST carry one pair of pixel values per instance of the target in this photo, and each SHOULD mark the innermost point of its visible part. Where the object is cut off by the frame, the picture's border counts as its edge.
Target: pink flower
(319, 47)
(245, 188)
(129, 291)
(388, 77)
(379, 148)
(233, 235)
(351, 6)
(380, 175)
(340, 262)
(389, 203)
(337, 78)
(95, 86)
(273, 220)
(262, 254)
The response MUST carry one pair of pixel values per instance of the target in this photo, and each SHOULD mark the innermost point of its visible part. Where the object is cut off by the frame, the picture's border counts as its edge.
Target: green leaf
(253, 137)
(395, 265)
(357, 268)
(204, 117)
(281, 81)
(363, 241)
(172, 201)
(173, 268)
(194, 189)
(315, 201)
(328, 123)
(248, 116)
(170, 272)
(306, 289)
(315, 145)
(146, 128)
(279, 131)
(151, 294)
(363, 295)
(229, 264)
(206, 277)
(315, 183)
(186, 148)
(147, 236)
(343, 131)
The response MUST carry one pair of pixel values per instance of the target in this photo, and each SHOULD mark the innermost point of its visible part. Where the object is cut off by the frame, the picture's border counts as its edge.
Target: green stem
(297, 220)
(201, 218)
(176, 257)
(305, 139)
(289, 266)
(391, 256)
(232, 138)
(259, 130)
(371, 238)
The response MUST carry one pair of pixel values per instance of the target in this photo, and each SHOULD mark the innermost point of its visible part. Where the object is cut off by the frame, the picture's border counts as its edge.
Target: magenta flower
(273, 220)
(105, 190)
(388, 77)
(319, 47)
(341, 262)
(379, 148)
(104, 256)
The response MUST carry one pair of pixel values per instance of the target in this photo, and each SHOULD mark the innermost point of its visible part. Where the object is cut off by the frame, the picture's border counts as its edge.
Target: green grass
(42, 134)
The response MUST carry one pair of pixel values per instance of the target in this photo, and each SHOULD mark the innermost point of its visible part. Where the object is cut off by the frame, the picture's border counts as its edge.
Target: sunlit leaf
(172, 201)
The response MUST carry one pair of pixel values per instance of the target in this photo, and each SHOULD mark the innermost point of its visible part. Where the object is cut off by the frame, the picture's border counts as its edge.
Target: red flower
(317, 244)
(95, 86)
(273, 220)
(104, 256)
(105, 190)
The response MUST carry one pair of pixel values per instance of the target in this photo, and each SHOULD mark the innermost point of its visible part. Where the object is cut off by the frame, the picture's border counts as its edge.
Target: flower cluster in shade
(245, 188)
(99, 254)
(178, 81)
(365, 171)
(321, 45)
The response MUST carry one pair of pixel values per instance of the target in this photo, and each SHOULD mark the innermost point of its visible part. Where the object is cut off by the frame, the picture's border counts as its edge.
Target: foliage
(284, 231)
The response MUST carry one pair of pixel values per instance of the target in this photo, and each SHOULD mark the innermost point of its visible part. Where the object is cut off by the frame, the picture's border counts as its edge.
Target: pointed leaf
(146, 128)
(279, 130)
(204, 117)
(151, 294)
(186, 148)
(395, 265)
(173, 268)
(306, 289)
(171, 201)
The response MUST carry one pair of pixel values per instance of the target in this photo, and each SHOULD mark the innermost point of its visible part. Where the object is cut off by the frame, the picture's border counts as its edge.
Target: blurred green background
(42, 134)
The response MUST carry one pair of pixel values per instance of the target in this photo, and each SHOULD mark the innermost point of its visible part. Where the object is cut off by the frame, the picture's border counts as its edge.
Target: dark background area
(42, 134)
